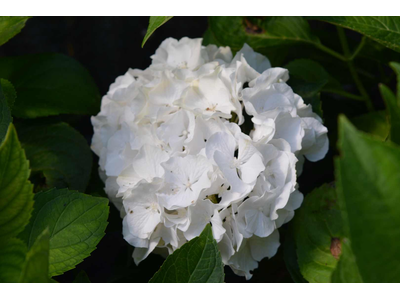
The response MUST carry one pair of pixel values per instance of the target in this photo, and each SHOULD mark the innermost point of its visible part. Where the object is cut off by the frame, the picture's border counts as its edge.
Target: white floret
(174, 158)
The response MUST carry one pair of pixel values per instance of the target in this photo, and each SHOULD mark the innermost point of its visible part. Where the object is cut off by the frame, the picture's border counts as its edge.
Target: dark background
(107, 47)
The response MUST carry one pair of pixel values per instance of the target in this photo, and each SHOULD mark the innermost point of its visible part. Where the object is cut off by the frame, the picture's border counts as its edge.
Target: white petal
(200, 216)
(264, 247)
(217, 228)
(256, 60)
(222, 142)
(289, 129)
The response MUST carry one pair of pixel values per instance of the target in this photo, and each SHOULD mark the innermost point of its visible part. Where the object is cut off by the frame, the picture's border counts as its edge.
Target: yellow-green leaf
(154, 23)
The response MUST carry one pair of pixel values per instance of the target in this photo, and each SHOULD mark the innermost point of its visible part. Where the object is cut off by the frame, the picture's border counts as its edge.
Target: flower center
(183, 65)
(235, 163)
(154, 207)
(185, 133)
(211, 107)
(188, 185)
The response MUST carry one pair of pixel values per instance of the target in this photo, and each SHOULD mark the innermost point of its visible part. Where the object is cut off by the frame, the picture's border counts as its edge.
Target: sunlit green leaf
(36, 266)
(385, 30)
(198, 260)
(318, 232)
(10, 26)
(346, 270)
(154, 23)
(16, 192)
(367, 175)
(76, 222)
(374, 123)
(12, 257)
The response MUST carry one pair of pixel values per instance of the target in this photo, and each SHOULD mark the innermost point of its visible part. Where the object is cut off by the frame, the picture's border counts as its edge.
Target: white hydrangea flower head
(174, 158)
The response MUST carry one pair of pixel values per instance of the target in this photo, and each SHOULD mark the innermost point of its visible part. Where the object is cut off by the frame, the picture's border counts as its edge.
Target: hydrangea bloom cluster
(174, 158)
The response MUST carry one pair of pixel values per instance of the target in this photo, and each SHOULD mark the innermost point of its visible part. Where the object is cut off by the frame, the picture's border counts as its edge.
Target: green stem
(344, 94)
(331, 52)
(358, 49)
(352, 69)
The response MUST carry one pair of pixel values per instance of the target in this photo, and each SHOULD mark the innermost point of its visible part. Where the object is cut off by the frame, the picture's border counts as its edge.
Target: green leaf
(385, 30)
(261, 34)
(209, 38)
(50, 84)
(367, 175)
(8, 92)
(17, 264)
(59, 153)
(317, 231)
(10, 26)
(154, 23)
(396, 69)
(393, 112)
(374, 123)
(76, 222)
(16, 192)
(307, 78)
(12, 258)
(5, 114)
(290, 256)
(346, 270)
(36, 266)
(198, 260)
(82, 277)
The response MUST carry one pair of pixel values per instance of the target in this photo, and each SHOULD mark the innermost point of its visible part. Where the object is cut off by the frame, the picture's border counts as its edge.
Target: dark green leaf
(271, 36)
(5, 114)
(374, 51)
(9, 92)
(50, 84)
(76, 222)
(12, 257)
(317, 230)
(393, 110)
(82, 277)
(59, 153)
(290, 256)
(307, 78)
(385, 30)
(16, 192)
(374, 123)
(198, 260)
(367, 175)
(396, 69)
(268, 32)
(209, 39)
(10, 26)
(36, 266)
(154, 23)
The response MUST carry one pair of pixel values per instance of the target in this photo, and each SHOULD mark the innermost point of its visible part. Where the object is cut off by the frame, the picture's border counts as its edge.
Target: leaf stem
(330, 51)
(352, 68)
(358, 49)
(343, 93)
